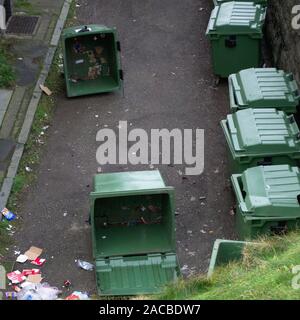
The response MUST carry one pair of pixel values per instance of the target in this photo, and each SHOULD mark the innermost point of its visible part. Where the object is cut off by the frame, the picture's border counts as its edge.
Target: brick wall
(283, 40)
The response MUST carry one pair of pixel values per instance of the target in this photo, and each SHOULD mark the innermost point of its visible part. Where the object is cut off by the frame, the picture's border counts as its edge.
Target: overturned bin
(261, 137)
(133, 232)
(263, 88)
(224, 252)
(91, 60)
(235, 32)
(268, 200)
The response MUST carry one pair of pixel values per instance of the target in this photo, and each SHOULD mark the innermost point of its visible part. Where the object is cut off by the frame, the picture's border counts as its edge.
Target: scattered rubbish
(99, 170)
(9, 216)
(202, 198)
(11, 295)
(46, 90)
(16, 253)
(2, 278)
(20, 59)
(34, 278)
(193, 198)
(67, 283)
(84, 265)
(78, 295)
(33, 253)
(45, 127)
(151, 166)
(189, 231)
(22, 258)
(202, 231)
(96, 116)
(65, 214)
(28, 169)
(184, 268)
(217, 170)
(231, 212)
(179, 172)
(16, 277)
(30, 272)
(38, 261)
(16, 288)
(39, 291)
(191, 253)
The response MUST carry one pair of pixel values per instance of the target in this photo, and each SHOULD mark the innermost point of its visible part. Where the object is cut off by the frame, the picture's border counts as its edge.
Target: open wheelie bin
(133, 231)
(91, 60)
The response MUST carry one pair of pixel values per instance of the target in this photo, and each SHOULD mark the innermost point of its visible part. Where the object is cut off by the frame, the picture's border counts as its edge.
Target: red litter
(38, 261)
(16, 277)
(29, 272)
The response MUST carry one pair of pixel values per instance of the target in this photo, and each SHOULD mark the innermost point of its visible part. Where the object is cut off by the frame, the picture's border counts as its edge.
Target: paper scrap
(16, 277)
(33, 253)
(22, 258)
(46, 90)
(38, 261)
(29, 272)
(35, 278)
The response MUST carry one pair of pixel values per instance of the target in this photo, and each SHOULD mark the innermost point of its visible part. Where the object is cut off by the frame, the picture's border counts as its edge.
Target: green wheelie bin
(235, 32)
(263, 88)
(261, 137)
(224, 252)
(91, 60)
(268, 200)
(133, 233)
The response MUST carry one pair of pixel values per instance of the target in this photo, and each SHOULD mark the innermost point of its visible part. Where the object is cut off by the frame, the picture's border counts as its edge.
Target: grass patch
(25, 6)
(7, 73)
(264, 273)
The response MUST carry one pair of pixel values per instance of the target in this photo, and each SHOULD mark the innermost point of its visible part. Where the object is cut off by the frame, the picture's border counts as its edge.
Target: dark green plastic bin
(235, 32)
(133, 229)
(268, 200)
(91, 60)
(261, 137)
(263, 88)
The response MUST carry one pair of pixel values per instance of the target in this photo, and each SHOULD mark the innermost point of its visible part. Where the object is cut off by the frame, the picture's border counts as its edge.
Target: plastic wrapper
(40, 291)
(85, 265)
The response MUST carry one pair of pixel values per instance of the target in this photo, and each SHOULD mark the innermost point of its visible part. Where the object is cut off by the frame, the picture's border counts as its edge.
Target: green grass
(7, 73)
(25, 6)
(264, 273)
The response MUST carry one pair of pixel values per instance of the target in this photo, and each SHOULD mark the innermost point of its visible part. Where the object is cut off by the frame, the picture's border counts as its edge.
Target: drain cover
(22, 25)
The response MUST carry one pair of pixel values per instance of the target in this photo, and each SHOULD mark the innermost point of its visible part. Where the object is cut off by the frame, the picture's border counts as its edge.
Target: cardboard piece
(46, 90)
(33, 253)
(34, 278)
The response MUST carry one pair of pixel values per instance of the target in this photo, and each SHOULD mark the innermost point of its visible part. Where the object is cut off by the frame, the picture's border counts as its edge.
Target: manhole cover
(22, 25)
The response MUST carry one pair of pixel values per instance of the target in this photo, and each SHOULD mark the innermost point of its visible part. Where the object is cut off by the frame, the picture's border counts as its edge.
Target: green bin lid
(235, 17)
(135, 275)
(128, 182)
(264, 87)
(258, 132)
(271, 191)
(90, 29)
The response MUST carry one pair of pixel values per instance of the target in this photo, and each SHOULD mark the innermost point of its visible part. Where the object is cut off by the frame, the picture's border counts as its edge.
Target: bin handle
(236, 186)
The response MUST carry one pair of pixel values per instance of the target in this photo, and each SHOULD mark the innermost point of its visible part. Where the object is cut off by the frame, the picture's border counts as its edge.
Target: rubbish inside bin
(91, 61)
(132, 216)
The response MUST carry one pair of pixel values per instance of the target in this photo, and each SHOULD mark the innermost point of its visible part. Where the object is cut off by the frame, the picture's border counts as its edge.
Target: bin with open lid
(91, 60)
(268, 200)
(133, 231)
(263, 88)
(235, 32)
(261, 137)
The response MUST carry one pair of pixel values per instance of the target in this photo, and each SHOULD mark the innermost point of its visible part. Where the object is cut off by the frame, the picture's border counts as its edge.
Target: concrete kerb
(37, 93)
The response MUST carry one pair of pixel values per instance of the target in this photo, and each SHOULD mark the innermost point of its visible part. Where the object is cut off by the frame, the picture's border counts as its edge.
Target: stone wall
(283, 40)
